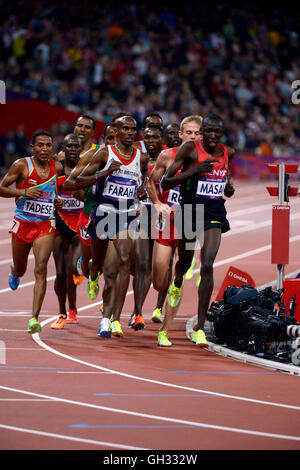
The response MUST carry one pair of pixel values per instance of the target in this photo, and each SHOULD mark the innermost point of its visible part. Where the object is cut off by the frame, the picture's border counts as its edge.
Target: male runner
(171, 136)
(85, 128)
(118, 171)
(166, 203)
(33, 227)
(202, 182)
(141, 264)
(67, 246)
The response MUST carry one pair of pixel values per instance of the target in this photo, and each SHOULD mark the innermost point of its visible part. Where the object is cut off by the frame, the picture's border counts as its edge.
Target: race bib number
(41, 208)
(70, 203)
(15, 226)
(211, 188)
(118, 188)
(174, 197)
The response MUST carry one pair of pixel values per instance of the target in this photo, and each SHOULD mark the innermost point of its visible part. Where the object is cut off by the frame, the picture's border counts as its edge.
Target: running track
(70, 390)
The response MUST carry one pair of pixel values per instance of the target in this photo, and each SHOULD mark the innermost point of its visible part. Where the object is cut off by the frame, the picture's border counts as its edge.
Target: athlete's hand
(229, 189)
(33, 193)
(58, 203)
(162, 208)
(141, 193)
(206, 166)
(114, 166)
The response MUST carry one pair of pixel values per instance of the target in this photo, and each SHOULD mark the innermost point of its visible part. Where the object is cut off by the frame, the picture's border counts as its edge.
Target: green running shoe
(93, 288)
(190, 272)
(34, 326)
(200, 339)
(174, 294)
(162, 339)
(156, 315)
(115, 328)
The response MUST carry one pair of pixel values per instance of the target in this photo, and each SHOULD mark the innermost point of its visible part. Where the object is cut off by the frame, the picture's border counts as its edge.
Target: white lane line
(158, 418)
(37, 339)
(71, 438)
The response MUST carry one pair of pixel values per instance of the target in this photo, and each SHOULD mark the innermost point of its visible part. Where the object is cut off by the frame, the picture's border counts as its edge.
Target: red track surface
(69, 389)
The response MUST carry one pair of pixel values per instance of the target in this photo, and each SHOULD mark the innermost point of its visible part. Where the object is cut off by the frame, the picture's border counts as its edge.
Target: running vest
(37, 210)
(71, 205)
(119, 188)
(206, 188)
(92, 147)
(170, 196)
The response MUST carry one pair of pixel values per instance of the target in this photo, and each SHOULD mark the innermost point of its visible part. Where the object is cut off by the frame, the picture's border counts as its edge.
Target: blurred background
(60, 60)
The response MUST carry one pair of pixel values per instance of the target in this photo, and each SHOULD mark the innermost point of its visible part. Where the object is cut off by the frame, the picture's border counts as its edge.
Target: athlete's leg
(123, 245)
(142, 251)
(42, 248)
(161, 259)
(185, 257)
(72, 258)
(110, 274)
(60, 249)
(98, 252)
(86, 256)
(20, 257)
(209, 250)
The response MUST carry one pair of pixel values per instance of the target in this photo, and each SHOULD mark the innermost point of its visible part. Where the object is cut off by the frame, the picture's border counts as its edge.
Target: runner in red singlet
(202, 182)
(165, 202)
(33, 227)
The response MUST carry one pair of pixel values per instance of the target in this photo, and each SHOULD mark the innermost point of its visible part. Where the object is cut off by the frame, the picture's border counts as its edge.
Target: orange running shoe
(59, 322)
(72, 316)
(139, 323)
(78, 279)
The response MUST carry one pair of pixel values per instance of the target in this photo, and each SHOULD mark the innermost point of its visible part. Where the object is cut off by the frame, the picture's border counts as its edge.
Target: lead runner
(203, 179)
(33, 227)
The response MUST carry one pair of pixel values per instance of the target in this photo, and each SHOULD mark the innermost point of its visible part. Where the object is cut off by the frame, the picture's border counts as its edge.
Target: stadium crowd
(192, 59)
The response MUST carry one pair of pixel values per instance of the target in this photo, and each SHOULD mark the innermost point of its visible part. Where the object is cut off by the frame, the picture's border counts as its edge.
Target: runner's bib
(42, 207)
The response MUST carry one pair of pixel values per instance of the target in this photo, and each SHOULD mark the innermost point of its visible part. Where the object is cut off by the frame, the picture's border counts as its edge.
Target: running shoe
(78, 279)
(13, 281)
(200, 339)
(139, 323)
(174, 294)
(72, 318)
(198, 280)
(59, 323)
(190, 272)
(93, 288)
(131, 321)
(34, 326)
(162, 339)
(115, 328)
(104, 328)
(156, 315)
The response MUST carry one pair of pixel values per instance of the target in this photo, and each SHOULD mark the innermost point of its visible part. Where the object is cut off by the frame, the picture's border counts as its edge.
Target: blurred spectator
(238, 62)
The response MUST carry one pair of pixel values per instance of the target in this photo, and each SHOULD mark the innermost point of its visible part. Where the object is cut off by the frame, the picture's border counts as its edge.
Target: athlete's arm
(91, 174)
(157, 173)
(16, 175)
(140, 192)
(71, 183)
(186, 157)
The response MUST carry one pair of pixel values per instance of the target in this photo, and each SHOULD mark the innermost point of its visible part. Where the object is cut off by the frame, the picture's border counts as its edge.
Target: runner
(86, 195)
(67, 247)
(166, 203)
(33, 226)
(202, 181)
(118, 171)
(141, 262)
(85, 128)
